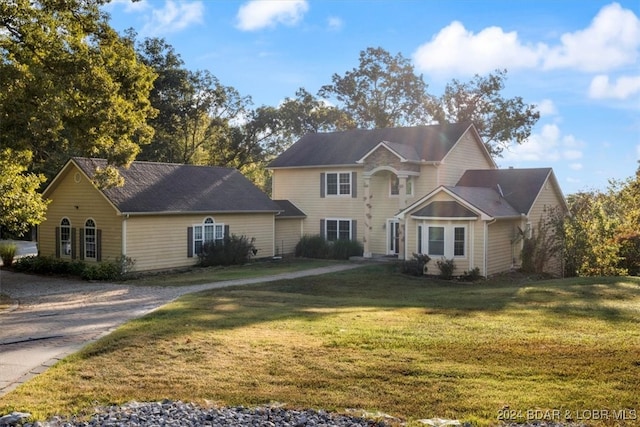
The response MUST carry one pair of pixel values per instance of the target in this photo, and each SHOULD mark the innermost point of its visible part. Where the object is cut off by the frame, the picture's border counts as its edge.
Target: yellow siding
(426, 182)
(549, 198)
(160, 241)
(302, 188)
(466, 154)
(500, 250)
(288, 234)
(80, 201)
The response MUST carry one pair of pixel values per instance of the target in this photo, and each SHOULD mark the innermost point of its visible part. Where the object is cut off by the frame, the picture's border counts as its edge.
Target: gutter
(127, 214)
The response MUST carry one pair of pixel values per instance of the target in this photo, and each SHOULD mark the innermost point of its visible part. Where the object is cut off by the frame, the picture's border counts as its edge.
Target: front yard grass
(372, 340)
(200, 275)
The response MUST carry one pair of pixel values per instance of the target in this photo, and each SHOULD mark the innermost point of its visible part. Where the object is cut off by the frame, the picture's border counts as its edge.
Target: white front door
(393, 237)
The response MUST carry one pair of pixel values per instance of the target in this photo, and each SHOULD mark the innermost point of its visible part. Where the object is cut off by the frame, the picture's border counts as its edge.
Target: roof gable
(418, 143)
(519, 187)
(176, 188)
(445, 209)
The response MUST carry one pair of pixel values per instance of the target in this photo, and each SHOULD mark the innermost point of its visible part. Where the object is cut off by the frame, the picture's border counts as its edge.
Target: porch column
(367, 217)
(402, 203)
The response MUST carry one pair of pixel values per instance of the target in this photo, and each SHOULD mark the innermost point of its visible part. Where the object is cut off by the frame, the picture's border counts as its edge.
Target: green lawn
(372, 340)
(198, 275)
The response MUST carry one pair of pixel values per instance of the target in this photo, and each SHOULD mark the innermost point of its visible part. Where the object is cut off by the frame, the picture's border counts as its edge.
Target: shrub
(471, 275)
(344, 249)
(110, 270)
(234, 250)
(312, 247)
(447, 267)
(7, 253)
(416, 266)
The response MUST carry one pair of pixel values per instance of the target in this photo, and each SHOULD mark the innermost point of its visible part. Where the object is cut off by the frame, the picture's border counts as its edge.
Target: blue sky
(577, 60)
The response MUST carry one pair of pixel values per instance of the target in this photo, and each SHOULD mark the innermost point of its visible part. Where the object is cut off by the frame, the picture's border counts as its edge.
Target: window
(207, 232)
(449, 240)
(90, 248)
(394, 186)
(458, 241)
(436, 241)
(65, 237)
(338, 229)
(338, 184)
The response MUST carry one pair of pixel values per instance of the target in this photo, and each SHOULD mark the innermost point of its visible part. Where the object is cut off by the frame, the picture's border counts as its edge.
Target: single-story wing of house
(160, 217)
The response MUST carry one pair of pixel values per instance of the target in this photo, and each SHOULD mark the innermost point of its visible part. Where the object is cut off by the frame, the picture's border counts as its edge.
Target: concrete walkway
(53, 318)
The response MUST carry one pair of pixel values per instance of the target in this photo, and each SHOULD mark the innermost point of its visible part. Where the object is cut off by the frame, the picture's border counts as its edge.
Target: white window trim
(95, 239)
(65, 250)
(449, 239)
(337, 173)
(326, 228)
(408, 186)
(218, 229)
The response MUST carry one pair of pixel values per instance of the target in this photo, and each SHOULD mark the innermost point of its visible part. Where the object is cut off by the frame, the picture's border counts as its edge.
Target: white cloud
(623, 88)
(576, 166)
(612, 40)
(549, 145)
(173, 17)
(456, 49)
(129, 6)
(259, 14)
(546, 107)
(335, 23)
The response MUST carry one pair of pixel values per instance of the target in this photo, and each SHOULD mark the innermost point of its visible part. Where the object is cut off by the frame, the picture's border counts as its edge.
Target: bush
(318, 247)
(110, 270)
(344, 249)
(447, 267)
(472, 275)
(234, 250)
(312, 247)
(7, 253)
(416, 266)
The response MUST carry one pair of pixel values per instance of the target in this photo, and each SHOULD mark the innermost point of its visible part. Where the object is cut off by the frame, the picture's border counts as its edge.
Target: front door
(393, 238)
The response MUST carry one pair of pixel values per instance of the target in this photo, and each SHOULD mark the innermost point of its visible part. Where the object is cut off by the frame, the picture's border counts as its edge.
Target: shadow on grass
(376, 287)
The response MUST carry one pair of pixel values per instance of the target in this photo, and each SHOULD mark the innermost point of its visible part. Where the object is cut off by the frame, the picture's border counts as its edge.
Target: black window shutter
(57, 242)
(323, 232)
(322, 184)
(74, 247)
(354, 184)
(189, 242)
(99, 244)
(82, 243)
(354, 229)
(226, 232)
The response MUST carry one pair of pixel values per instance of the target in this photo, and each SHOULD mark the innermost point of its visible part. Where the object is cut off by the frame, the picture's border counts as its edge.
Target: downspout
(486, 246)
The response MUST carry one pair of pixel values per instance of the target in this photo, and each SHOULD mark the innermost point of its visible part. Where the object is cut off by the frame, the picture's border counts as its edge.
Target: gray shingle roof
(444, 209)
(429, 143)
(487, 200)
(519, 187)
(289, 210)
(175, 188)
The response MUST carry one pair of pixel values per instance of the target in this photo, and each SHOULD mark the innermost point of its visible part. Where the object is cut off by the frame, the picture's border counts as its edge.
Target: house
(426, 189)
(160, 218)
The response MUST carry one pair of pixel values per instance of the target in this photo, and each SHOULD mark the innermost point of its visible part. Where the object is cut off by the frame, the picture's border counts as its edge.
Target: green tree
(70, 85)
(499, 121)
(21, 205)
(383, 91)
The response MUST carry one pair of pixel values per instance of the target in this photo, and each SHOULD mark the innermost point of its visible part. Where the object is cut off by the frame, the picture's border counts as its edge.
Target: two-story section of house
(425, 189)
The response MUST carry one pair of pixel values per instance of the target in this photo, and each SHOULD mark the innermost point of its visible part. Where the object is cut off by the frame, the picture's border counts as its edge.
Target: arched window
(65, 237)
(90, 247)
(207, 232)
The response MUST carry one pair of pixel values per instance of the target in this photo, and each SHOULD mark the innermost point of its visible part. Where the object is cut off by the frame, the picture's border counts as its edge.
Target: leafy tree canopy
(21, 205)
(70, 85)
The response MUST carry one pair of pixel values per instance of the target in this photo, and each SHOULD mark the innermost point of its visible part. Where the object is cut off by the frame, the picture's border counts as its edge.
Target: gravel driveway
(54, 317)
